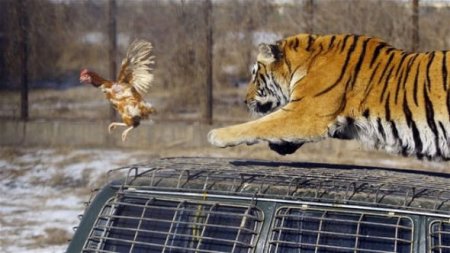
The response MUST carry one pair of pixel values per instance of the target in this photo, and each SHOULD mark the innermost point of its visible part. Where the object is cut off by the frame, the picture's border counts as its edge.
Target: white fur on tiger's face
(264, 93)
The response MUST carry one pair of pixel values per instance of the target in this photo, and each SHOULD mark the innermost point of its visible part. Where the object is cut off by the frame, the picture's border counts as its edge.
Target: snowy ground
(42, 191)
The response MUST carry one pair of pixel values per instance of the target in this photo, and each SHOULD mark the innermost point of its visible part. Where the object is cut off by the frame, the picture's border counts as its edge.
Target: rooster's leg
(125, 133)
(114, 125)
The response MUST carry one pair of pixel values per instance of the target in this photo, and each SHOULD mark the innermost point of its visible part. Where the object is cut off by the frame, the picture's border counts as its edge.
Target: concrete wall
(85, 133)
(162, 137)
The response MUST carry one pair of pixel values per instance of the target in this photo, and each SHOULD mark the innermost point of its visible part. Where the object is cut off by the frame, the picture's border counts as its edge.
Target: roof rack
(325, 183)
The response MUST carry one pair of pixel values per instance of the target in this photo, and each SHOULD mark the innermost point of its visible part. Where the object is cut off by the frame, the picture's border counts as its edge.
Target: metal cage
(440, 236)
(210, 205)
(314, 230)
(139, 224)
(337, 184)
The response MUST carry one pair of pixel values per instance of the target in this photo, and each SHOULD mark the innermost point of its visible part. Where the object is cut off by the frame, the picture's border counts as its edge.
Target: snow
(42, 192)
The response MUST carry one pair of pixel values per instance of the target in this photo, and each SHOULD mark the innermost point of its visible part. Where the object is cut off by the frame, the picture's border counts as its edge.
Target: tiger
(307, 88)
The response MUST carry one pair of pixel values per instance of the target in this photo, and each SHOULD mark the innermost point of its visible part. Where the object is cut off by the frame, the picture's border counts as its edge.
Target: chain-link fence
(44, 44)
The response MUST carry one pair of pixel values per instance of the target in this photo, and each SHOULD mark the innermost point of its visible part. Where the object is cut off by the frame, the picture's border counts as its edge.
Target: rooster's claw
(114, 125)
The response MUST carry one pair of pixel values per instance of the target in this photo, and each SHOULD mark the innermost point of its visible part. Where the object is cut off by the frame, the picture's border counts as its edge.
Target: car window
(314, 230)
(143, 224)
(440, 237)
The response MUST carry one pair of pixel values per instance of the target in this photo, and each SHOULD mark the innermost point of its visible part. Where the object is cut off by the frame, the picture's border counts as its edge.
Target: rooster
(133, 82)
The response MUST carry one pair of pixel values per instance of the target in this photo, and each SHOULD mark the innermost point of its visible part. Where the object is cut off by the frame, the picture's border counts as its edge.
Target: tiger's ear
(269, 53)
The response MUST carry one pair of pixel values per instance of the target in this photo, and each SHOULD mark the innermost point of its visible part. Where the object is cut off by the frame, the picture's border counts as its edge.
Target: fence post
(415, 25)
(23, 42)
(112, 52)
(208, 103)
(310, 16)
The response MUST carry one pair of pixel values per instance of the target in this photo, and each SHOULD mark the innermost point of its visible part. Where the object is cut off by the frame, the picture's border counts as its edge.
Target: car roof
(327, 183)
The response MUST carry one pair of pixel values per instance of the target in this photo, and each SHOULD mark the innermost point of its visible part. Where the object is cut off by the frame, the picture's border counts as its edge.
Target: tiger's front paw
(223, 137)
(217, 138)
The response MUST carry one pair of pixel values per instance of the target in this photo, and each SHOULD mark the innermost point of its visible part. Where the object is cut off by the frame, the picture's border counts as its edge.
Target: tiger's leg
(280, 128)
(285, 148)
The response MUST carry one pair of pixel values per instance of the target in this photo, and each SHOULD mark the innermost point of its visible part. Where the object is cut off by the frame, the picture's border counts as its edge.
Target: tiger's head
(274, 72)
(267, 90)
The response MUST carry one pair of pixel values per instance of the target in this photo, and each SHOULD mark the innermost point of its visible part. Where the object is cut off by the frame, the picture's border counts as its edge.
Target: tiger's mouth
(264, 108)
(259, 108)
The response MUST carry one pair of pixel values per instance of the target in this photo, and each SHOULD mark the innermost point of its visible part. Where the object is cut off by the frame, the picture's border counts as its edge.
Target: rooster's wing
(135, 70)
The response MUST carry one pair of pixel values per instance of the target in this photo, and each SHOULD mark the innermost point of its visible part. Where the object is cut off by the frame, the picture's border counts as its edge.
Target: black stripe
(263, 79)
(310, 42)
(376, 53)
(360, 60)
(384, 72)
(390, 49)
(380, 128)
(386, 84)
(404, 150)
(407, 113)
(396, 136)
(406, 75)
(341, 106)
(430, 120)
(370, 84)
(386, 66)
(428, 70)
(291, 43)
(260, 65)
(430, 113)
(444, 70)
(398, 88)
(408, 69)
(395, 131)
(344, 68)
(399, 79)
(387, 109)
(404, 55)
(412, 125)
(296, 100)
(366, 113)
(296, 44)
(373, 73)
(443, 130)
(416, 83)
(347, 84)
(345, 42)
(331, 41)
(448, 103)
(270, 89)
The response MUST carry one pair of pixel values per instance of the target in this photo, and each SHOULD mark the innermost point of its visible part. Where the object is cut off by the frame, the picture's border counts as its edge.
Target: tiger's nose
(245, 101)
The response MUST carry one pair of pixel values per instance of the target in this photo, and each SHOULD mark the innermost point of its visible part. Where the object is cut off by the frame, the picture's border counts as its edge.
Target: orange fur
(311, 87)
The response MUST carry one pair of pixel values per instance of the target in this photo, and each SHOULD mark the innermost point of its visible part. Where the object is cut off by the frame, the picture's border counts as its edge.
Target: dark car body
(226, 205)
